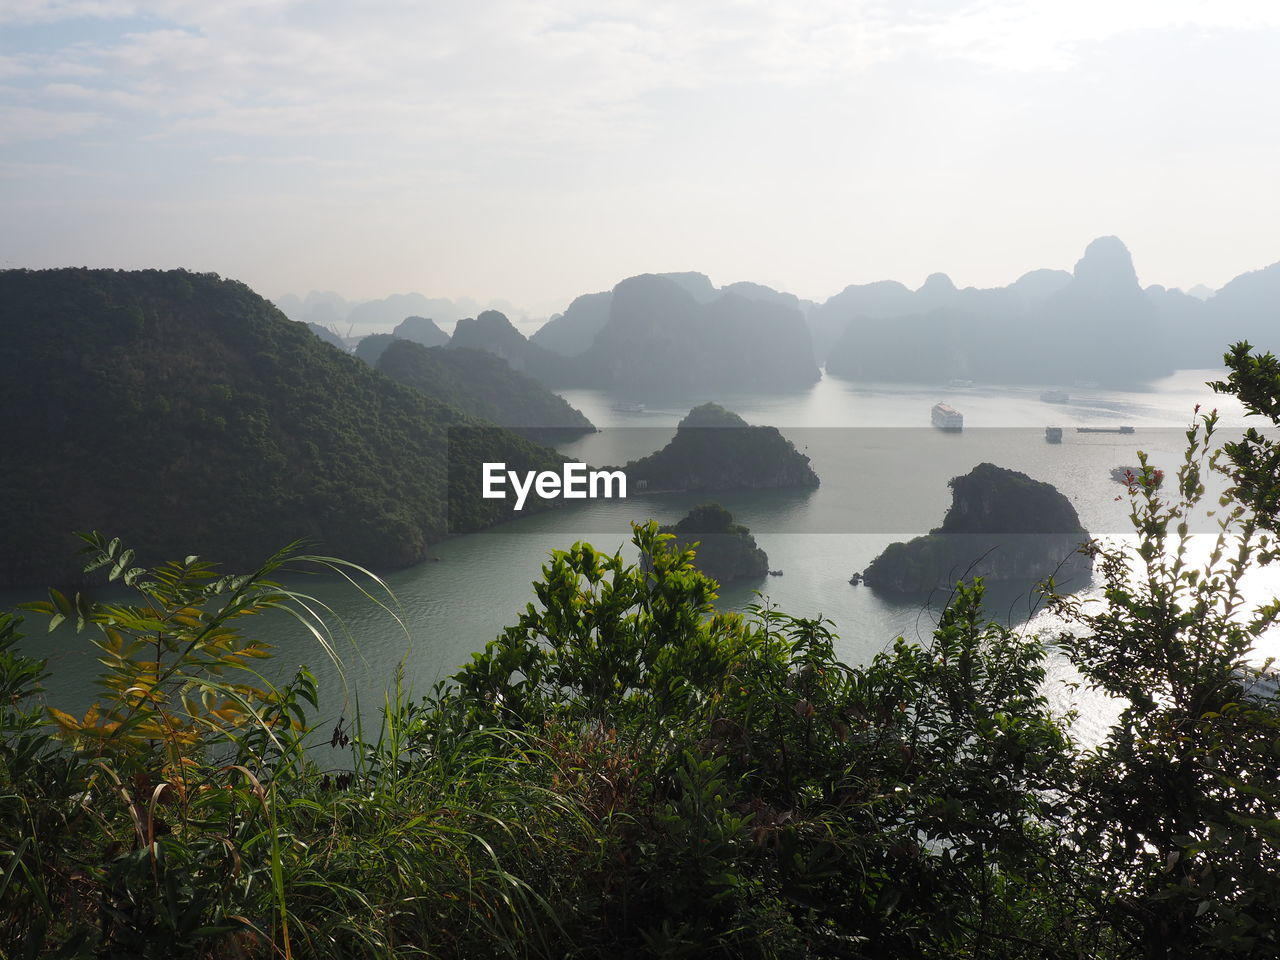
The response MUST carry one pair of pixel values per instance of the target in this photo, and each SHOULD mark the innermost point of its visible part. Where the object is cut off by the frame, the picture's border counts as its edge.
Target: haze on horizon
(531, 152)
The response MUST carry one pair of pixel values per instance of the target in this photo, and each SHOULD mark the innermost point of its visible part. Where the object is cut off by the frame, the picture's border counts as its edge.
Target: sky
(534, 150)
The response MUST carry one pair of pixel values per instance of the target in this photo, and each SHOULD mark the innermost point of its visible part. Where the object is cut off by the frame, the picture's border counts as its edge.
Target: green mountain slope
(187, 414)
(483, 385)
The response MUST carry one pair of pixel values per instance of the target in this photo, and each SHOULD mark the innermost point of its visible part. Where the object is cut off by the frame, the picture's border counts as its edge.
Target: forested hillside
(483, 385)
(188, 414)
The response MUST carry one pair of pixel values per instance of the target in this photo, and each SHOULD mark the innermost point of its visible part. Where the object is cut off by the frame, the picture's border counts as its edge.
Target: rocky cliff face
(571, 332)
(1106, 270)
(1095, 323)
(662, 338)
(421, 330)
(856, 304)
(1002, 525)
(492, 332)
(1100, 323)
(990, 499)
(714, 449)
(650, 299)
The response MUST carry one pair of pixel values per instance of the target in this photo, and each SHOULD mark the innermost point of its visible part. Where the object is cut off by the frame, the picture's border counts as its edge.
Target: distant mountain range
(654, 333)
(335, 312)
(190, 414)
(1096, 323)
(676, 336)
(657, 334)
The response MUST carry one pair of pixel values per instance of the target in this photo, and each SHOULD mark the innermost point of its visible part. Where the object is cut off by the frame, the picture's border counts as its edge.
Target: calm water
(883, 474)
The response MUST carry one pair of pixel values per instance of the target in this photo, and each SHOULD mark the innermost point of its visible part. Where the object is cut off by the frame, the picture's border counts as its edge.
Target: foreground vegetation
(626, 772)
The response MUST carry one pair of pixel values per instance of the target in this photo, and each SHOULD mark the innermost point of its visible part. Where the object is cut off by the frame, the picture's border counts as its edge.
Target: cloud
(55, 11)
(562, 71)
(12, 67)
(26, 123)
(539, 68)
(1029, 35)
(104, 97)
(33, 171)
(299, 160)
(453, 137)
(52, 11)
(557, 72)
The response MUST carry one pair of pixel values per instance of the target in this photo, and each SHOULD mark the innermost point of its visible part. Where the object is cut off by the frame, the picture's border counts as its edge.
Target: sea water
(884, 474)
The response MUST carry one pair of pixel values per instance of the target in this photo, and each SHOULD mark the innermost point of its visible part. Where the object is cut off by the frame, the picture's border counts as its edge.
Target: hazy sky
(536, 150)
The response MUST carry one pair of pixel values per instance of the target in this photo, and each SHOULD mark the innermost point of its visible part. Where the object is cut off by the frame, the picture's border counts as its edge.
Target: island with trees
(1001, 525)
(725, 551)
(715, 449)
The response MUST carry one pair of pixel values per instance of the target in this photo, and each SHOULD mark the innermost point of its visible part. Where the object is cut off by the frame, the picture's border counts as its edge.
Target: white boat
(947, 417)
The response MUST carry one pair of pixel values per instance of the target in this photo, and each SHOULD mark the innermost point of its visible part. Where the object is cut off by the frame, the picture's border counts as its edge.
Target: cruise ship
(947, 417)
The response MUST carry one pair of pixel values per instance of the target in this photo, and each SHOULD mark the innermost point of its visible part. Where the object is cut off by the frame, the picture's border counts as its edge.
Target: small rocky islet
(1002, 525)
